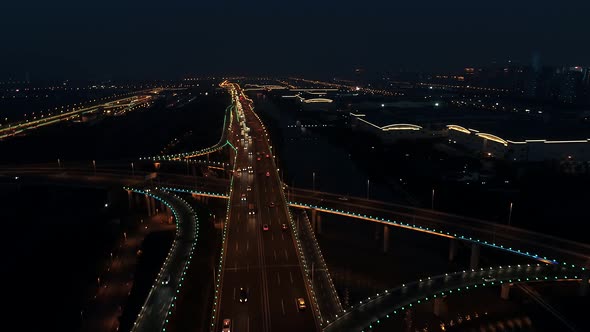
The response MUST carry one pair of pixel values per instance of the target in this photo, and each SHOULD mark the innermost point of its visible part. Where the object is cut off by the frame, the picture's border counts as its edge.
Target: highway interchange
(261, 253)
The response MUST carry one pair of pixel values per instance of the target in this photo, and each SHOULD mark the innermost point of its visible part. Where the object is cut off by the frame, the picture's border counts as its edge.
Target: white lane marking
(248, 324)
(247, 245)
(272, 237)
(275, 253)
(291, 276)
(286, 256)
(247, 267)
(283, 306)
(283, 236)
(236, 247)
(234, 293)
(278, 278)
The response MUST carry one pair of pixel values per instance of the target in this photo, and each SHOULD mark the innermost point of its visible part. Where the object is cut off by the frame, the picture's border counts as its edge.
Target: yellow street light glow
(459, 128)
(493, 138)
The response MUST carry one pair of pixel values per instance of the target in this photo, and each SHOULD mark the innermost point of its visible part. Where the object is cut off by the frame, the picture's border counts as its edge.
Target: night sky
(129, 39)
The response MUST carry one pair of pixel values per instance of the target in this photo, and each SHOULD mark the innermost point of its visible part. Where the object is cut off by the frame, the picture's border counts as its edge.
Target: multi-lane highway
(261, 254)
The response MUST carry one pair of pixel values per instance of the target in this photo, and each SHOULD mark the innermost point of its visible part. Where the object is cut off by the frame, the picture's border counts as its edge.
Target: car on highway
(265, 227)
(257, 158)
(166, 279)
(243, 295)
(226, 325)
(343, 198)
(267, 155)
(489, 279)
(301, 303)
(284, 227)
(267, 173)
(243, 198)
(249, 188)
(271, 204)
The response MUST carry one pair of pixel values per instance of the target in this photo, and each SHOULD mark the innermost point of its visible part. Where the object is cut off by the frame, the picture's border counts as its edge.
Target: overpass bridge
(541, 247)
(369, 313)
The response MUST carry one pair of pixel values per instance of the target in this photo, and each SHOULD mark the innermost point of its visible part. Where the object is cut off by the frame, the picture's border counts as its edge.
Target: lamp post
(368, 187)
(132, 169)
(432, 200)
(94, 166)
(510, 214)
(313, 182)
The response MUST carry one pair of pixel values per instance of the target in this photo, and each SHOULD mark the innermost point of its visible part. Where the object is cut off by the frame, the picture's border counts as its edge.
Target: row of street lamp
(431, 200)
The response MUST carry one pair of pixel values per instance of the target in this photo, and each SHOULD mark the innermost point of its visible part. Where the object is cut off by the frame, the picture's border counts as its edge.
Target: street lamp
(510, 215)
(94, 165)
(313, 183)
(132, 169)
(432, 200)
(368, 185)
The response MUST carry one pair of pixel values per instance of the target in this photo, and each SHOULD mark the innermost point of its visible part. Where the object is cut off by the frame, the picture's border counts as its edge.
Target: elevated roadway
(154, 313)
(538, 246)
(369, 313)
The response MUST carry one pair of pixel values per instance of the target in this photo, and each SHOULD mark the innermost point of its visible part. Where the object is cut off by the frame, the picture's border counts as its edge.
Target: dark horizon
(145, 40)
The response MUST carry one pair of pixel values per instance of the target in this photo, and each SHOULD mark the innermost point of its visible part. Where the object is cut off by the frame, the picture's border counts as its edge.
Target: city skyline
(68, 40)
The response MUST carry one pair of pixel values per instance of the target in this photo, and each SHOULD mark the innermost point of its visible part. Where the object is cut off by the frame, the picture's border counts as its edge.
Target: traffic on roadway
(261, 262)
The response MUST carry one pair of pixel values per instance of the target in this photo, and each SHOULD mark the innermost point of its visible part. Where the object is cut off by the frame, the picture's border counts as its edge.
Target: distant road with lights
(21, 127)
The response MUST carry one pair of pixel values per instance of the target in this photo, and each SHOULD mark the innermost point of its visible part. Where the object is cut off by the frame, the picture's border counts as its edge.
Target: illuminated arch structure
(491, 145)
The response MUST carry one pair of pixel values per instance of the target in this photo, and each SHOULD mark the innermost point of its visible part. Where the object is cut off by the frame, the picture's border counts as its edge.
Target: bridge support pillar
(154, 212)
(438, 306)
(137, 200)
(316, 221)
(129, 199)
(148, 204)
(385, 238)
(505, 291)
(474, 262)
(452, 250)
(585, 284)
